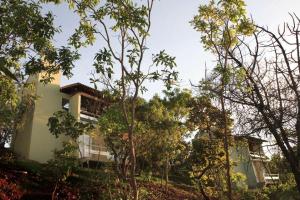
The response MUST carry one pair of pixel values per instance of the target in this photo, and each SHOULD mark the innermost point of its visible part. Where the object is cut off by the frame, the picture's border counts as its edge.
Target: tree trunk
(124, 168)
(203, 192)
(226, 145)
(167, 173)
(297, 179)
(133, 166)
(226, 148)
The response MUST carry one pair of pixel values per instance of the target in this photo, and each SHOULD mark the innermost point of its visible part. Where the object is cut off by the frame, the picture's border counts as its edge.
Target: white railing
(258, 155)
(95, 150)
(87, 117)
(271, 178)
(92, 151)
(89, 151)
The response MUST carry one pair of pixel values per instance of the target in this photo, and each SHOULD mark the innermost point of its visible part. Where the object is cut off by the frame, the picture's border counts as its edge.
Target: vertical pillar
(75, 104)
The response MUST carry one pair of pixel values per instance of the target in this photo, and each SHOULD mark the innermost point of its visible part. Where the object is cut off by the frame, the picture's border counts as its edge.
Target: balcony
(91, 151)
(87, 118)
(258, 156)
(271, 178)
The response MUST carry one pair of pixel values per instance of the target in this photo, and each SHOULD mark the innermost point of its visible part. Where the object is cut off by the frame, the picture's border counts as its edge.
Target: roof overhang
(249, 138)
(81, 88)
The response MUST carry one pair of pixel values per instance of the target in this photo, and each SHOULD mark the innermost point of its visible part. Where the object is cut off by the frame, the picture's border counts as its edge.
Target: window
(65, 104)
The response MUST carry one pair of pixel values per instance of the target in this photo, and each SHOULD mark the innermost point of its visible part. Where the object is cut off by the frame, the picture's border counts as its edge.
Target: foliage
(207, 118)
(26, 42)
(63, 123)
(124, 27)
(163, 129)
(8, 107)
(25, 48)
(253, 195)
(114, 131)
(9, 190)
(208, 165)
(160, 130)
(12, 107)
(221, 22)
(279, 164)
(207, 158)
(286, 190)
(65, 161)
(263, 88)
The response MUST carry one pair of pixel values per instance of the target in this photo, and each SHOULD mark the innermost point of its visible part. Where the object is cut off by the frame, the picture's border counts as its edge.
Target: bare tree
(264, 87)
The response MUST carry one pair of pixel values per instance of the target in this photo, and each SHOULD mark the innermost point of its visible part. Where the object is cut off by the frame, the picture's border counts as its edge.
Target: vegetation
(26, 42)
(126, 24)
(177, 145)
(26, 48)
(220, 23)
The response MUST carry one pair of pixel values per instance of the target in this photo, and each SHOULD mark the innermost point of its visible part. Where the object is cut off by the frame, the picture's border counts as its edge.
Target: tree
(208, 165)
(163, 122)
(159, 134)
(207, 158)
(63, 123)
(8, 104)
(123, 27)
(265, 83)
(220, 23)
(114, 131)
(26, 48)
(11, 108)
(65, 161)
(26, 42)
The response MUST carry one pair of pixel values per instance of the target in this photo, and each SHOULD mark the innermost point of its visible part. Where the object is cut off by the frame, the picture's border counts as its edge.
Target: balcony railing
(271, 178)
(86, 116)
(91, 151)
(94, 151)
(258, 155)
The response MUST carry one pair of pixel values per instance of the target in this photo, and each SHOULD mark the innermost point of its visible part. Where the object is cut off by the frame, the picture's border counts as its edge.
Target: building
(33, 140)
(249, 159)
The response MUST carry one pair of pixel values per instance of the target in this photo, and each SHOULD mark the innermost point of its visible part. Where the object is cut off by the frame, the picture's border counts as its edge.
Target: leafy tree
(206, 118)
(12, 107)
(163, 129)
(114, 131)
(207, 158)
(65, 161)
(208, 166)
(220, 23)
(26, 42)
(8, 105)
(123, 27)
(25, 48)
(62, 123)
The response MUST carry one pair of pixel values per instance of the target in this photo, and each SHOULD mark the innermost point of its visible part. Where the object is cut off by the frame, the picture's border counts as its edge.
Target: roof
(248, 137)
(79, 87)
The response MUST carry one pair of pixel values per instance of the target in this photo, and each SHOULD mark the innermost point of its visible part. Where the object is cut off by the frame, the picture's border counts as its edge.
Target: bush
(253, 195)
(9, 191)
(6, 155)
(30, 166)
(65, 162)
(286, 191)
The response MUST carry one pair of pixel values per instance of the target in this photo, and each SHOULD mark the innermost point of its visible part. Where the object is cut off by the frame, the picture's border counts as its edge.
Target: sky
(171, 31)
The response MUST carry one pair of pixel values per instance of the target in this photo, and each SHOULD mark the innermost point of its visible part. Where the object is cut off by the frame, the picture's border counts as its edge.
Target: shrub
(65, 161)
(9, 191)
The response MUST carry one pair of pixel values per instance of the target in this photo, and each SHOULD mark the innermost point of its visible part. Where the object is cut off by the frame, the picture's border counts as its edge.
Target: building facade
(33, 139)
(249, 159)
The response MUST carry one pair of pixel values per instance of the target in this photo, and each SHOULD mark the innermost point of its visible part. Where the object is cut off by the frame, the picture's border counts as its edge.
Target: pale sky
(171, 31)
